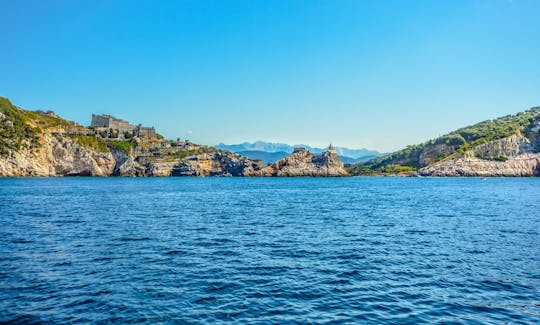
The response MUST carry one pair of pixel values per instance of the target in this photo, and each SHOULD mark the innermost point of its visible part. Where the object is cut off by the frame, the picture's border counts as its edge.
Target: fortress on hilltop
(111, 122)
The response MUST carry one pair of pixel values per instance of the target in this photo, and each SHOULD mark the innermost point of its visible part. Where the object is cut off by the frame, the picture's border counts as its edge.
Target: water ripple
(269, 251)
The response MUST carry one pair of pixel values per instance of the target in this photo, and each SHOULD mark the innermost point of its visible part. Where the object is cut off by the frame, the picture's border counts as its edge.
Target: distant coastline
(41, 144)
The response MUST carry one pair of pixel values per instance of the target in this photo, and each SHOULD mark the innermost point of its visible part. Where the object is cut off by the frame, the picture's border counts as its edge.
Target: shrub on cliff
(90, 142)
(124, 146)
(14, 131)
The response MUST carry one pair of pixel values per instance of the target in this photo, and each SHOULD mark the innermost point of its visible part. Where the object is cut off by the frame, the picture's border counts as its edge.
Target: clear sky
(376, 74)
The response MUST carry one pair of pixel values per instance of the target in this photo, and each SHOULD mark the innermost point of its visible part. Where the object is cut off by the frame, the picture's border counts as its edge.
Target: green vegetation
(45, 120)
(180, 154)
(500, 158)
(454, 143)
(14, 130)
(91, 142)
(124, 146)
(389, 169)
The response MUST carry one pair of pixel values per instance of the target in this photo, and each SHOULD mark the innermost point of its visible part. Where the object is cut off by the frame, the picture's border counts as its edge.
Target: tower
(331, 149)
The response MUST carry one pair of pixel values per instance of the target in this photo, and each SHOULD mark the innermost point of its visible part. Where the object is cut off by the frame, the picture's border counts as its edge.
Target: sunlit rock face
(512, 156)
(302, 163)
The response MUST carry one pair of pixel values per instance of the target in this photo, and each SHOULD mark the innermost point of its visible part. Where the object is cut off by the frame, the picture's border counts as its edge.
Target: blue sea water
(274, 250)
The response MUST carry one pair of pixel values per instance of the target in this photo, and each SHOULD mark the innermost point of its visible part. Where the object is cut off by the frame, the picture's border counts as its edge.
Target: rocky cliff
(56, 155)
(302, 163)
(511, 157)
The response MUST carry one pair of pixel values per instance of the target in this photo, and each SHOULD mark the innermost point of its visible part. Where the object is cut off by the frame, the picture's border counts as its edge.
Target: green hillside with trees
(454, 143)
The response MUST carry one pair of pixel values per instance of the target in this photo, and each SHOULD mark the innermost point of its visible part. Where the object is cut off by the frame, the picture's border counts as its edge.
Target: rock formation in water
(302, 163)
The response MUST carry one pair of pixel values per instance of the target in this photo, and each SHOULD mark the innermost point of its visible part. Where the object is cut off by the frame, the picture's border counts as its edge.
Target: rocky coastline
(40, 144)
(513, 156)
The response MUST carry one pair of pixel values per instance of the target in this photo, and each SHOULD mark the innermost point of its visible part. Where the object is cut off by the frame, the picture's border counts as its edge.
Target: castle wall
(107, 121)
(100, 121)
(121, 125)
(110, 122)
(146, 131)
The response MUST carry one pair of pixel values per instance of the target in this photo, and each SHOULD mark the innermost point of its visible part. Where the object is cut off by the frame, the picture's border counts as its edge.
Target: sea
(361, 250)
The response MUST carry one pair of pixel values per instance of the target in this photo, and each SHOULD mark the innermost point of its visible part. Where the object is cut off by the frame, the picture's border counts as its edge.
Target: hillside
(493, 144)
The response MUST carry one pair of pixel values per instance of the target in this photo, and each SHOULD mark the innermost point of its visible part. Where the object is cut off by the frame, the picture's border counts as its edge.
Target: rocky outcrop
(57, 155)
(522, 165)
(513, 156)
(302, 163)
(218, 163)
(511, 146)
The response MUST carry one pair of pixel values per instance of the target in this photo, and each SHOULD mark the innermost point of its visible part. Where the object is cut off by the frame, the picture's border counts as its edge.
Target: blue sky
(376, 74)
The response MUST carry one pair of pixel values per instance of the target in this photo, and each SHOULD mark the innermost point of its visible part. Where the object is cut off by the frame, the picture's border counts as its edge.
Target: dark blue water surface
(235, 250)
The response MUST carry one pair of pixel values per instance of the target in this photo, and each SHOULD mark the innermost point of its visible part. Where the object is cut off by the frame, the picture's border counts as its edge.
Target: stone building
(143, 131)
(111, 122)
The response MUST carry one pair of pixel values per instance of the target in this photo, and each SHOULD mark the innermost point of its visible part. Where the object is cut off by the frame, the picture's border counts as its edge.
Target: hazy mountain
(270, 157)
(270, 147)
(266, 157)
(351, 161)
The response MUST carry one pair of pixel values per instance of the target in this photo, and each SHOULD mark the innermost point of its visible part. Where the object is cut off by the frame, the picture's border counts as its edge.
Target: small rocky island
(302, 163)
(43, 144)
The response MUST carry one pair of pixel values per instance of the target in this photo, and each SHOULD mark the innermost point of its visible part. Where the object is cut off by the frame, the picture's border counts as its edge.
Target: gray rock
(302, 163)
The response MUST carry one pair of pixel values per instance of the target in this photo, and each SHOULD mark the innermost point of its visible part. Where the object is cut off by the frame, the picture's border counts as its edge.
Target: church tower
(331, 149)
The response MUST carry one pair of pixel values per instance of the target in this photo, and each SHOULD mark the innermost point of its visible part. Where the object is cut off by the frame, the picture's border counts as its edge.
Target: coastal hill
(507, 146)
(38, 143)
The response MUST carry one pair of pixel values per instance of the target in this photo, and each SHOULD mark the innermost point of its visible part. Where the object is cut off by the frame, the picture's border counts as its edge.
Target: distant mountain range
(270, 157)
(269, 152)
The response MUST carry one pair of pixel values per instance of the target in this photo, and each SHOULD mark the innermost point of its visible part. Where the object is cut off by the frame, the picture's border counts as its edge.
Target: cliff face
(512, 156)
(55, 155)
(305, 164)
(216, 164)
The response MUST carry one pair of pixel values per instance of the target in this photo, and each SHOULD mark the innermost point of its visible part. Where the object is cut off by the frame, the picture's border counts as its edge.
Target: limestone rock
(522, 165)
(512, 156)
(160, 169)
(512, 146)
(56, 156)
(302, 163)
(218, 163)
